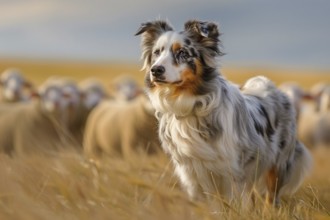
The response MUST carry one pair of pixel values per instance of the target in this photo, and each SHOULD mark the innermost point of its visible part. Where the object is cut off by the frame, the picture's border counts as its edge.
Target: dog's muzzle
(157, 72)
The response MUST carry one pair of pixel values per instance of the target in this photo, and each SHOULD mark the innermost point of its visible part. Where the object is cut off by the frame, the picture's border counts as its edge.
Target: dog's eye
(182, 54)
(157, 52)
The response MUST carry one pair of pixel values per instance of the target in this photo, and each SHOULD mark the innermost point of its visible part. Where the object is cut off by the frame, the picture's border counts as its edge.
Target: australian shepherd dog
(223, 140)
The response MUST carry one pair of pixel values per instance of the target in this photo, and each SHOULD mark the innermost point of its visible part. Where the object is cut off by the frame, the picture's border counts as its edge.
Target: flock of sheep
(63, 113)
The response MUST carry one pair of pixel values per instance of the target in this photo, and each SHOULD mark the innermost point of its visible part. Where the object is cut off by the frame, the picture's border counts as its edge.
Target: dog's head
(182, 61)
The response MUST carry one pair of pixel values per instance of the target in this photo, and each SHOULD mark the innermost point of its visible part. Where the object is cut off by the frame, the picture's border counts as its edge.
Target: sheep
(296, 95)
(322, 133)
(316, 92)
(75, 118)
(34, 127)
(324, 105)
(124, 87)
(83, 98)
(306, 126)
(15, 86)
(93, 92)
(314, 124)
(121, 128)
(69, 86)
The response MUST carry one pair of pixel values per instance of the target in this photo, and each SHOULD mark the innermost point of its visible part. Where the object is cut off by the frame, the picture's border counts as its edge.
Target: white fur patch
(165, 58)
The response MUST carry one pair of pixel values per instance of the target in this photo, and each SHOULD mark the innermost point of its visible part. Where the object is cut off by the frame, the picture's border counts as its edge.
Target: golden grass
(66, 186)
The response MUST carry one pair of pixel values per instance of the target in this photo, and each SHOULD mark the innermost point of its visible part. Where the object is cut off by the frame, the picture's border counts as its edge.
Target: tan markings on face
(191, 80)
(176, 46)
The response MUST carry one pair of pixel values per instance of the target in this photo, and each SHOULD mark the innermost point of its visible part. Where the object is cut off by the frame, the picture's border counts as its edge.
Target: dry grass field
(67, 186)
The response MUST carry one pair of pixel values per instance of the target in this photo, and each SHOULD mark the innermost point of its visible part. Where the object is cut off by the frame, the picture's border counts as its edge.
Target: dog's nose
(157, 71)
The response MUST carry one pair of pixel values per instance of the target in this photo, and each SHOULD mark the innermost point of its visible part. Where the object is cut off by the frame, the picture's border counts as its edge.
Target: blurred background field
(39, 71)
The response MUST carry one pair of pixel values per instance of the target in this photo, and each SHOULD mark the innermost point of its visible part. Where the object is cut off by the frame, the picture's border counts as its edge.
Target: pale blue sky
(284, 33)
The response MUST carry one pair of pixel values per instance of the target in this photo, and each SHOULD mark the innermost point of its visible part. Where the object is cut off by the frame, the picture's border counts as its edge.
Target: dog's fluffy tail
(296, 170)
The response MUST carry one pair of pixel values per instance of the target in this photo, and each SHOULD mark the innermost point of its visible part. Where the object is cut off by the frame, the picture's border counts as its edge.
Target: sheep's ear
(150, 33)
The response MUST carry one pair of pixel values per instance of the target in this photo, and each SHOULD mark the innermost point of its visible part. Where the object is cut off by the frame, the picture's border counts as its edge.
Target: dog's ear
(150, 32)
(202, 29)
(204, 33)
(154, 28)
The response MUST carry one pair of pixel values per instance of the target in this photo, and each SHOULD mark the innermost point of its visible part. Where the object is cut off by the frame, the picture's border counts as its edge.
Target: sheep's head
(53, 102)
(14, 85)
(92, 93)
(125, 88)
